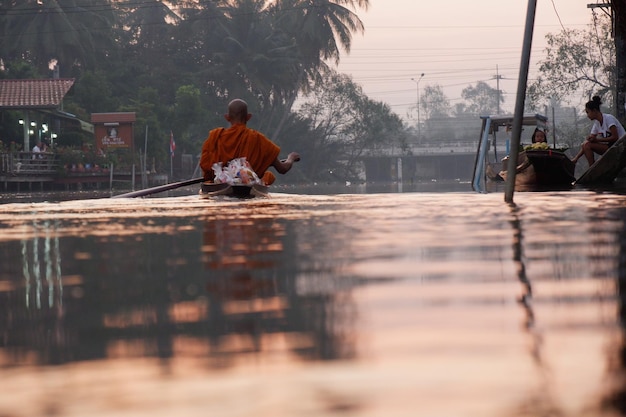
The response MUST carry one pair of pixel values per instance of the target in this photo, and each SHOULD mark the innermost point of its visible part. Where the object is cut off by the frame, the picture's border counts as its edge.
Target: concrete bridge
(448, 161)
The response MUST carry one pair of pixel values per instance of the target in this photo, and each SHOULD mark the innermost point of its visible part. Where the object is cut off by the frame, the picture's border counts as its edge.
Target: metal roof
(33, 94)
(498, 121)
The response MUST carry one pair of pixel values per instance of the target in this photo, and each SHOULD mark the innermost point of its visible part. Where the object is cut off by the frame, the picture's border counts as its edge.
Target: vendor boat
(539, 166)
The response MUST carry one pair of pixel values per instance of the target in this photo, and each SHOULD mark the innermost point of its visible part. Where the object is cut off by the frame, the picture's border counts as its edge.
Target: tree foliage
(177, 63)
(578, 64)
(348, 124)
(481, 99)
(75, 32)
(434, 102)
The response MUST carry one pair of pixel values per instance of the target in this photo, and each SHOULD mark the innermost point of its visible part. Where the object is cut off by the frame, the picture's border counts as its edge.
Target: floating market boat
(542, 167)
(539, 166)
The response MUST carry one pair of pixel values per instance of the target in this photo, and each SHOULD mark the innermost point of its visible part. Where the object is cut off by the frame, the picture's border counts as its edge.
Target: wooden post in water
(144, 175)
(518, 116)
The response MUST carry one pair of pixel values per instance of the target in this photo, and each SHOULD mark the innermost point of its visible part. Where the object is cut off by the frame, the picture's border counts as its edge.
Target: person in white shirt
(606, 130)
(37, 150)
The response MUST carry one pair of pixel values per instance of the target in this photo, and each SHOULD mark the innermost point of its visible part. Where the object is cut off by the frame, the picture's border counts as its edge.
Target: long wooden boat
(542, 168)
(607, 167)
(211, 189)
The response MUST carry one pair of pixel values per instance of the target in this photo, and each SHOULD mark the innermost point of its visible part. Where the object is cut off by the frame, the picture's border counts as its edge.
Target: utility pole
(553, 121)
(417, 82)
(518, 114)
(497, 77)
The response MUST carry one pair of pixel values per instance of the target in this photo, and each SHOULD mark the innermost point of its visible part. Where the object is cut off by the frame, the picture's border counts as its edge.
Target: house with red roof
(40, 101)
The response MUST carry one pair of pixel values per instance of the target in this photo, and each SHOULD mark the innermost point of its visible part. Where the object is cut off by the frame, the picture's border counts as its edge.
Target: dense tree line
(177, 63)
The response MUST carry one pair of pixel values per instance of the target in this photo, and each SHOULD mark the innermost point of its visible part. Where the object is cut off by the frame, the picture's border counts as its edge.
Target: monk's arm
(283, 166)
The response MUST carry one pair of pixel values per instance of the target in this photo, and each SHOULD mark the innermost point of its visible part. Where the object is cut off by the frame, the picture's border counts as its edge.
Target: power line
(557, 15)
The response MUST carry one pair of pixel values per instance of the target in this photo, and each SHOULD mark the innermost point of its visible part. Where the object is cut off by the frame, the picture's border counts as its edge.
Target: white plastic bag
(237, 171)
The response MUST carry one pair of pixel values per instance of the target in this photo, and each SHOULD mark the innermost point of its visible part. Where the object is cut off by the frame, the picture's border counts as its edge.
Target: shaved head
(238, 110)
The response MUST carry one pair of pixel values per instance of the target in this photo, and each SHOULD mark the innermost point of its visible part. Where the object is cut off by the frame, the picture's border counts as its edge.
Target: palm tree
(147, 21)
(320, 28)
(239, 51)
(72, 32)
(198, 36)
(262, 60)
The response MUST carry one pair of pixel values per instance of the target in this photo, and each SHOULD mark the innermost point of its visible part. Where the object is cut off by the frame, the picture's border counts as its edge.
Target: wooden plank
(607, 167)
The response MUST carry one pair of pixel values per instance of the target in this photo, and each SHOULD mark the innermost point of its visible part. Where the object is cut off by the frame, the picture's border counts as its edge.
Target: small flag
(172, 144)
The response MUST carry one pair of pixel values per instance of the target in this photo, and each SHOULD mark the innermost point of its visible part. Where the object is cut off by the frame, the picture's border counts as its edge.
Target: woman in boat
(538, 136)
(238, 141)
(606, 130)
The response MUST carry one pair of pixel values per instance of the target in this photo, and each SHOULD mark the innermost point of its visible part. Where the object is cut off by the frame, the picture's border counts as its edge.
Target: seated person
(606, 130)
(37, 150)
(237, 141)
(539, 136)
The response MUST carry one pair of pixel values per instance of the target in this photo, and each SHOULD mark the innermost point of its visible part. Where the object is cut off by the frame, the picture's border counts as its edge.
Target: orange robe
(224, 145)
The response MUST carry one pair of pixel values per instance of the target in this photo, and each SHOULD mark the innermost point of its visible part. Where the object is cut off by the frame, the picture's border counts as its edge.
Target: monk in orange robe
(237, 141)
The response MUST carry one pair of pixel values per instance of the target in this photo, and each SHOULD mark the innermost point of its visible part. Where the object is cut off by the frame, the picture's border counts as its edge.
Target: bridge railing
(29, 163)
(416, 150)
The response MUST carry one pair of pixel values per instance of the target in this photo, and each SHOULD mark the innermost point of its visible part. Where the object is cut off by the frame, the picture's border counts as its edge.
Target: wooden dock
(28, 171)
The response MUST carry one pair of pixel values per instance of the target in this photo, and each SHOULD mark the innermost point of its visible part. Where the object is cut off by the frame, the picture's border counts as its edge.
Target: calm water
(406, 304)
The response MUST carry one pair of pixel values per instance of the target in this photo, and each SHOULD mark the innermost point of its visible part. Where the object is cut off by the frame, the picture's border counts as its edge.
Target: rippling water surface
(410, 304)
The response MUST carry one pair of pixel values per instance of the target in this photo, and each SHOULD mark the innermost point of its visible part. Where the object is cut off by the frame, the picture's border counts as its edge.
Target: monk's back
(237, 141)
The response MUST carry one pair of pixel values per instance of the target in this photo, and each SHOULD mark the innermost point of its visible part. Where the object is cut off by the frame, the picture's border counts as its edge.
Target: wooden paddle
(166, 187)
(159, 189)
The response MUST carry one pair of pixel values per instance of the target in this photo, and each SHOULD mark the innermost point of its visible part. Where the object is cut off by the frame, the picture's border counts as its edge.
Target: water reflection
(615, 399)
(253, 269)
(223, 283)
(41, 264)
(518, 258)
(589, 281)
(370, 304)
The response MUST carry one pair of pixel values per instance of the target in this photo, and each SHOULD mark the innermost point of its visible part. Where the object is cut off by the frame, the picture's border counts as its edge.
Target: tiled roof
(33, 94)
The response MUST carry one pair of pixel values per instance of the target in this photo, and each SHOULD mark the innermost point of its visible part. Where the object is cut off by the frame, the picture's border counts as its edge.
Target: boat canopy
(487, 141)
(496, 122)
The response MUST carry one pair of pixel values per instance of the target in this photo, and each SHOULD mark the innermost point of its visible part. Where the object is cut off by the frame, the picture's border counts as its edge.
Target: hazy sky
(455, 43)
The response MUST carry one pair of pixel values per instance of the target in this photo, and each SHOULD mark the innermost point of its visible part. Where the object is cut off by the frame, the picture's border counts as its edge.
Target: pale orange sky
(455, 43)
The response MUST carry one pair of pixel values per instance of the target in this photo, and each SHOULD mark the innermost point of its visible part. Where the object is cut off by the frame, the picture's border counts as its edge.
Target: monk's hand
(292, 157)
